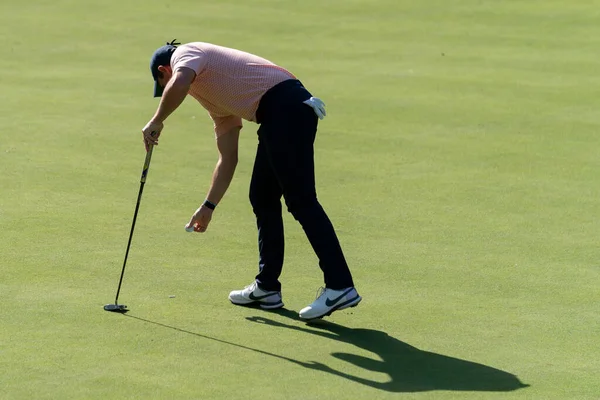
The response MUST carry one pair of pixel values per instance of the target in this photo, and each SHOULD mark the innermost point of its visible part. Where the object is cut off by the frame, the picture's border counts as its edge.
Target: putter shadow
(210, 338)
(409, 369)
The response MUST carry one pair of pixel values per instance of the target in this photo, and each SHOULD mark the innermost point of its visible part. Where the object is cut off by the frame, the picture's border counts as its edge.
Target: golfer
(233, 85)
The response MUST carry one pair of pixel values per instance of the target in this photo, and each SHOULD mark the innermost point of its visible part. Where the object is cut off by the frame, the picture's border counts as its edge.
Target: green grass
(459, 164)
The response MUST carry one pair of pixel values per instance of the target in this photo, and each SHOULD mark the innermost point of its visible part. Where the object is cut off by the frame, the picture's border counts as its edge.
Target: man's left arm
(174, 94)
(227, 145)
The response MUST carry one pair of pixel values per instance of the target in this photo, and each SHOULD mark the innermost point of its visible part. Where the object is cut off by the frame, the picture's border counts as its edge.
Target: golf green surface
(459, 163)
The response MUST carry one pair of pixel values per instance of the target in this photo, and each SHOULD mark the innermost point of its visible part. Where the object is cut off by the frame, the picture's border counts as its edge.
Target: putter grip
(146, 165)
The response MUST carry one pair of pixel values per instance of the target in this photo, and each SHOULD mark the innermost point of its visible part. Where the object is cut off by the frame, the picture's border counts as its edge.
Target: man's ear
(164, 68)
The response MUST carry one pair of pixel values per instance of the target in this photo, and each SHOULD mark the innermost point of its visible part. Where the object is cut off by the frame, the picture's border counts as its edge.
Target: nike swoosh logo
(330, 302)
(253, 297)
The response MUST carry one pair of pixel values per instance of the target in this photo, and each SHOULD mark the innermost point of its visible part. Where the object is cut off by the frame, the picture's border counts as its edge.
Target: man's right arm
(175, 92)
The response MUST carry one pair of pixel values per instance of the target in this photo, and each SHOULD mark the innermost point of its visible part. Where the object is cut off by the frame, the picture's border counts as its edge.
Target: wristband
(209, 204)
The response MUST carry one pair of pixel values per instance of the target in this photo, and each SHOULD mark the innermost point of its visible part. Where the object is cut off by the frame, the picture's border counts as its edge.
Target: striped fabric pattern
(229, 83)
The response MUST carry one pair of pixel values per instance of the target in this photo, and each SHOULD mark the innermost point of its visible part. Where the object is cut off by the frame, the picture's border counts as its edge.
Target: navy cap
(162, 56)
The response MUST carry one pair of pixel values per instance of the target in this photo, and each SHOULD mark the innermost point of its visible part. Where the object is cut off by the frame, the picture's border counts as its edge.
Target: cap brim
(158, 90)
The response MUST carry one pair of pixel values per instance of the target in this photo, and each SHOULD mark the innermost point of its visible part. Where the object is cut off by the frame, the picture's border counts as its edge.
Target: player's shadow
(409, 369)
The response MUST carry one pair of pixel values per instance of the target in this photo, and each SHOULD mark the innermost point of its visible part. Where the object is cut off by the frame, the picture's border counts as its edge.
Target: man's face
(166, 72)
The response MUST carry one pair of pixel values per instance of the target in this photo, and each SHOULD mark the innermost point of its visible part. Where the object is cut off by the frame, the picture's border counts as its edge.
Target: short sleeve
(189, 57)
(225, 124)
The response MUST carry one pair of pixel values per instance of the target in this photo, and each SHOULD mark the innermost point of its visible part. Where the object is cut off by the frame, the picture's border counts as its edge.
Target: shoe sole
(348, 304)
(265, 306)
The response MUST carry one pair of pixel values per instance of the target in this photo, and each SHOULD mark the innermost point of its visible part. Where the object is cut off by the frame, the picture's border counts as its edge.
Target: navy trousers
(284, 166)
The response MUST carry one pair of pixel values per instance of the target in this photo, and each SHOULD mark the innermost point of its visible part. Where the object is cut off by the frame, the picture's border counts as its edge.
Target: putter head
(118, 308)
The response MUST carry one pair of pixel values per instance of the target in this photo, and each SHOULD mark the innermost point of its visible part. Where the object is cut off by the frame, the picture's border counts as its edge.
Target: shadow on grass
(409, 369)
(210, 338)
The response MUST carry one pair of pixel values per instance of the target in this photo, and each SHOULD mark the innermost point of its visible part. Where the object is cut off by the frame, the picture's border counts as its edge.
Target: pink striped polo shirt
(229, 83)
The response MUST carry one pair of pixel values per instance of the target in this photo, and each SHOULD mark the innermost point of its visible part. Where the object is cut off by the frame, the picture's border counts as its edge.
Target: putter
(116, 307)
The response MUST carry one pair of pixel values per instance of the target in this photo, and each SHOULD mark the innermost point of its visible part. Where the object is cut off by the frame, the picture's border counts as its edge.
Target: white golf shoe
(253, 294)
(330, 300)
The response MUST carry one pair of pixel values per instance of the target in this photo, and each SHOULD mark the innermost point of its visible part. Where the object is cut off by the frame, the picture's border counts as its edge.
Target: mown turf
(458, 162)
